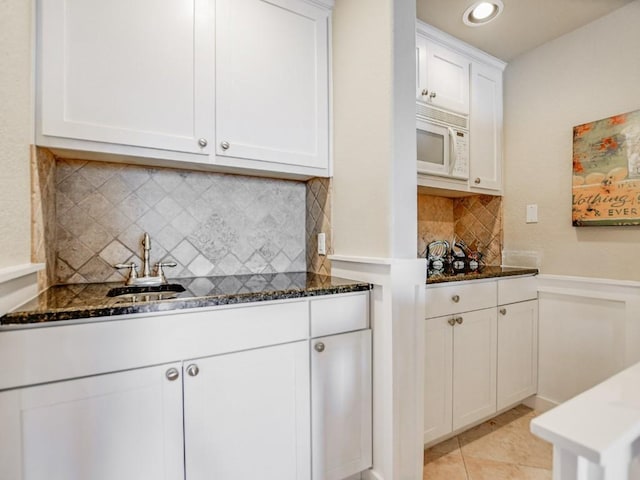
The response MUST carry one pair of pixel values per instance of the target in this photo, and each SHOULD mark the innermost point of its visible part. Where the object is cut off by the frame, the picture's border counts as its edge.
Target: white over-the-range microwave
(443, 142)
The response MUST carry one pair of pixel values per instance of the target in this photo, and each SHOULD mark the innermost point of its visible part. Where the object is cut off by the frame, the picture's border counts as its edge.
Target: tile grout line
(464, 463)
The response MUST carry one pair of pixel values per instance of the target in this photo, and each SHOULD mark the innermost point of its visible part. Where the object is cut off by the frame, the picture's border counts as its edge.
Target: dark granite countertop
(89, 300)
(481, 272)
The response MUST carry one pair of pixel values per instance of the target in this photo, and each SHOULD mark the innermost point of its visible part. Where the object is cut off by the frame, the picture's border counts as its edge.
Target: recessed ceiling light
(481, 13)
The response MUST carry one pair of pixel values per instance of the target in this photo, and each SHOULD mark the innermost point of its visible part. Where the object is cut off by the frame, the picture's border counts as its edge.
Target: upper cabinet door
(486, 127)
(272, 82)
(128, 72)
(447, 79)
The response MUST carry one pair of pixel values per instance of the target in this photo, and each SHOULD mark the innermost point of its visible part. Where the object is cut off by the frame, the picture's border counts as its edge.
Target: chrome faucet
(146, 279)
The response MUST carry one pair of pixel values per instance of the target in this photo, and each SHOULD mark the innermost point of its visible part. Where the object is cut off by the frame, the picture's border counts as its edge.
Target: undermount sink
(159, 291)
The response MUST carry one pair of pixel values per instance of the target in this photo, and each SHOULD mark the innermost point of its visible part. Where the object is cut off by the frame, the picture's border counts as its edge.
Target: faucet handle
(133, 273)
(160, 272)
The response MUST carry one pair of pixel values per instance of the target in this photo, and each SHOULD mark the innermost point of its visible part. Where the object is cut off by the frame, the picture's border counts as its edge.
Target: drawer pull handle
(455, 298)
(459, 320)
(503, 311)
(319, 347)
(193, 370)
(172, 374)
(451, 321)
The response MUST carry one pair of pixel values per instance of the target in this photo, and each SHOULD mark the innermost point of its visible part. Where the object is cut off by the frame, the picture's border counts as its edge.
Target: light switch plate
(532, 213)
(322, 244)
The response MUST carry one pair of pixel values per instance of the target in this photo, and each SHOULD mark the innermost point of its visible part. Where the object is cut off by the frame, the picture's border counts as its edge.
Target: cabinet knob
(193, 370)
(477, 180)
(172, 374)
(451, 321)
(319, 347)
(432, 95)
(503, 311)
(224, 145)
(203, 142)
(459, 320)
(425, 92)
(455, 298)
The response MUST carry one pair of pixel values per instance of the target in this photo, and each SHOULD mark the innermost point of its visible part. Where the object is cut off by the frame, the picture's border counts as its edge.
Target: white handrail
(596, 435)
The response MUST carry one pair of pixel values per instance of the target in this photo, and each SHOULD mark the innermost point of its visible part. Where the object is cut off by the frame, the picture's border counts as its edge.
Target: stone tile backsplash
(208, 223)
(476, 219)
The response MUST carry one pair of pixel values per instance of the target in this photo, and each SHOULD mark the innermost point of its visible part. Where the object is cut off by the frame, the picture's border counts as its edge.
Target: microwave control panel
(461, 148)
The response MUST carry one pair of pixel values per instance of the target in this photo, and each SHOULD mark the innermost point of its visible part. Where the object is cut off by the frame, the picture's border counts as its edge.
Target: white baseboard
(540, 404)
(18, 284)
(371, 475)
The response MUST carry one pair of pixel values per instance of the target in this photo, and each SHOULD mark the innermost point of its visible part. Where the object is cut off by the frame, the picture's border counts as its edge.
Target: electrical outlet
(532, 213)
(322, 244)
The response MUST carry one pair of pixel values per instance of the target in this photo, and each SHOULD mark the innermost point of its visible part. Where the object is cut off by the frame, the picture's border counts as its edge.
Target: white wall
(586, 75)
(15, 131)
(374, 206)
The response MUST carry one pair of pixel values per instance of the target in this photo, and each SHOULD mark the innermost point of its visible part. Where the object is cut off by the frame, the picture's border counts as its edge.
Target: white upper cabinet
(272, 78)
(459, 78)
(126, 73)
(236, 85)
(443, 76)
(486, 128)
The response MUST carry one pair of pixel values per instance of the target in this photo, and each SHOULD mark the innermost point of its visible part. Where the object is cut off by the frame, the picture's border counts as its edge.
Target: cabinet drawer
(146, 339)
(461, 297)
(339, 313)
(518, 289)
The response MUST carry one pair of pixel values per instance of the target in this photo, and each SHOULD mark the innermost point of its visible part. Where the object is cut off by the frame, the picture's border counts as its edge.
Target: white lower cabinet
(517, 352)
(125, 426)
(438, 378)
(237, 406)
(460, 371)
(474, 366)
(246, 415)
(341, 405)
(481, 353)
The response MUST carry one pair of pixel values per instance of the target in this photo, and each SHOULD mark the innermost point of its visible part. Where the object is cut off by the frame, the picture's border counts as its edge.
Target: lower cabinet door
(517, 352)
(438, 373)
(341, 405)
(124, 426)
(246, 415)
(474, 366)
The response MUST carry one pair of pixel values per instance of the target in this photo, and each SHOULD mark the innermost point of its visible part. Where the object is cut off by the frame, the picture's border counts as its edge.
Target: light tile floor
(502, 448)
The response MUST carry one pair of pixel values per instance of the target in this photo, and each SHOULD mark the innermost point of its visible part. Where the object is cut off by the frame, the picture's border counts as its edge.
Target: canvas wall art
(606, 171)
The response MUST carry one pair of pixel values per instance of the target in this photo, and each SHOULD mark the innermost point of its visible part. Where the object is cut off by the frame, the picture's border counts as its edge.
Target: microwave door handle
(454, 148)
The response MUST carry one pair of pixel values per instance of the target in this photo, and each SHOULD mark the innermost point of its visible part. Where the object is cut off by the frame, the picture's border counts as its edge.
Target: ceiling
(523, 25)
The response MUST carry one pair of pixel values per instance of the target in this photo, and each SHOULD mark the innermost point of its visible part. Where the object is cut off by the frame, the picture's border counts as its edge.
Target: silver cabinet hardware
(432, 95)
(451, 321)
(425, 92)
(319, 347)
(455, 298)
(193, 370)
(503, 311)
(224, 145)
(172, 374)
(477, 180)
(459, 320)
(203, 142)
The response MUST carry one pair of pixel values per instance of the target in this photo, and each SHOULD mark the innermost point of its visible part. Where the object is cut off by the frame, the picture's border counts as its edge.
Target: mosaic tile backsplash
(208, 223)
